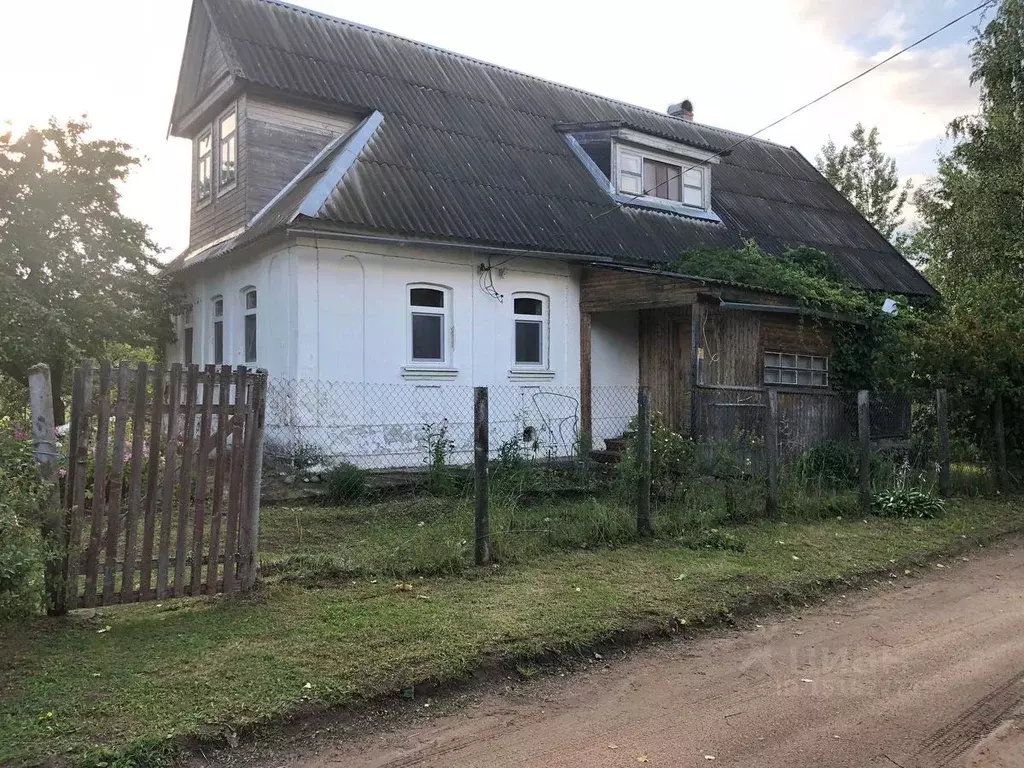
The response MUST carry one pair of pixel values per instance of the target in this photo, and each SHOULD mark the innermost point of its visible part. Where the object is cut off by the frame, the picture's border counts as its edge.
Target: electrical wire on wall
(487, 278)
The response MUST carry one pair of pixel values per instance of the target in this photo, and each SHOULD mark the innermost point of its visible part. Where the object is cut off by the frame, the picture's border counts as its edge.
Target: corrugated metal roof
(470, 151)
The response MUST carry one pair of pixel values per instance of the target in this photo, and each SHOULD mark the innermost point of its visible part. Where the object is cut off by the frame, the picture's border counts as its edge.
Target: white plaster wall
(270, 273)
(614, 371)
(333, 332)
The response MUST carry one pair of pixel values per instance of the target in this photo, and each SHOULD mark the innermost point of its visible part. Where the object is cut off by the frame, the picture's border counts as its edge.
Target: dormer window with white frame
(642, 170)
(663, 177)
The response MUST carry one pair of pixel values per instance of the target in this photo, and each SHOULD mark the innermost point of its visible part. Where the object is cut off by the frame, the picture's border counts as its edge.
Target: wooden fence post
(942, 421)
(1004, 475)
(864, 434)
(481, 452)
(771, 445)
(44, 444)
(643, 451)
(250, 552)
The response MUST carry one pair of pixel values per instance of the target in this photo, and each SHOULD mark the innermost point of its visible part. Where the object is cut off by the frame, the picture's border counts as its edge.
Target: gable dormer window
(204, 165)
(643, 170)
(228, 132)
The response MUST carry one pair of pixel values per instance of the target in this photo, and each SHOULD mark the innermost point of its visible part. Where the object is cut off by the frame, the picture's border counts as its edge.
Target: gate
(163, 482)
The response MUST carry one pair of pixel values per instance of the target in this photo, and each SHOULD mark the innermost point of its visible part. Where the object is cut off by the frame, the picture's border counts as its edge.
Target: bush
(672, 461)
(906, 502)
(345, 483)
(832, 464)
(21, 553)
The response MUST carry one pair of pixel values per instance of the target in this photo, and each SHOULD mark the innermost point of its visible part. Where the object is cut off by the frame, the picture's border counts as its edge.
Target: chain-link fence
(402, 497)
(412, 425)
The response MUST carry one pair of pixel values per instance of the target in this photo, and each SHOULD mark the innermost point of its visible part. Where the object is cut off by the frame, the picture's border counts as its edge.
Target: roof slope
(468, 151)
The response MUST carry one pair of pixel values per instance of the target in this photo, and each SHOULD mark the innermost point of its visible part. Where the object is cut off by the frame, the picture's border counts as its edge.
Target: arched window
(187, 337)
(428, 324)
(218, 330)
(249, 297)
(530, 320)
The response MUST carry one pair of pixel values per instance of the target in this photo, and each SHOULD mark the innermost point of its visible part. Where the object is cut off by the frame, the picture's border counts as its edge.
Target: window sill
(429, 372)
(668, 206)
(531, 374)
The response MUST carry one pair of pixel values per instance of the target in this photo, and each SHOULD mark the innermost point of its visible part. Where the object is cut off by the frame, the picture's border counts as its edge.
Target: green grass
(196, 666)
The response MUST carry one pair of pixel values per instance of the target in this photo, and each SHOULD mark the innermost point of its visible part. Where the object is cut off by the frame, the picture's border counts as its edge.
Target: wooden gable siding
(213, 65)
(665, 365)
(606, 290)
(224, 212)
(204, 73)
(282, 139)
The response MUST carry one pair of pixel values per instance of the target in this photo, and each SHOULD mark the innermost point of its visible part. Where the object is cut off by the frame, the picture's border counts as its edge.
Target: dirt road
(923, 674)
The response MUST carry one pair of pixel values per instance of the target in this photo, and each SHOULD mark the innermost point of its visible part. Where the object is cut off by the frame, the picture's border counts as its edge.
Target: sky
(743, 64)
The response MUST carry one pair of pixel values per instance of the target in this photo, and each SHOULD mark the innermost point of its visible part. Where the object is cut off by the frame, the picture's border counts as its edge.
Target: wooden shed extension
(700, 345)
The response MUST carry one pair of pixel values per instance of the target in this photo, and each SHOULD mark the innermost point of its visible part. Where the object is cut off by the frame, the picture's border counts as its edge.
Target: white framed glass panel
(428, 325)
(228, 130)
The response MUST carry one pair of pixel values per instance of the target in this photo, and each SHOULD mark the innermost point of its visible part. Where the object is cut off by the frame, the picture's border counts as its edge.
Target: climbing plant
(871, 347)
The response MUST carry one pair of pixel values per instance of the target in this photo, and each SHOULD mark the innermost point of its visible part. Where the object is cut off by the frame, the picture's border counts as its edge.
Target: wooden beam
(586, 407)
(695, 361)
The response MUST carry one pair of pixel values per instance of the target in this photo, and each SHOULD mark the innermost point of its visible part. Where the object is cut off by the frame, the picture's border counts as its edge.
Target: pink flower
(19, 435)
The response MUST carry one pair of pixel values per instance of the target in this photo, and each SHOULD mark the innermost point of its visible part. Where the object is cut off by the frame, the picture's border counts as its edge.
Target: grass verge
(118, 687)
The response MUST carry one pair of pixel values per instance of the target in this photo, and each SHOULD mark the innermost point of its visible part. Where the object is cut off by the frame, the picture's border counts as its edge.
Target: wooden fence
(163, 483)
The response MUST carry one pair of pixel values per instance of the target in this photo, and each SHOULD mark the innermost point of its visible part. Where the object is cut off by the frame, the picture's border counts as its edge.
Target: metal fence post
(643, 450)
(1004, 475)
(481, 453)
(771, 444)
(44, 444)
(942, 421)
(864, 434)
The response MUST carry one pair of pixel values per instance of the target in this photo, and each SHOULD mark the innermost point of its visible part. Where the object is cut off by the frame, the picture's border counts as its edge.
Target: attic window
(204, 165)
(645, 175)
(228, 148)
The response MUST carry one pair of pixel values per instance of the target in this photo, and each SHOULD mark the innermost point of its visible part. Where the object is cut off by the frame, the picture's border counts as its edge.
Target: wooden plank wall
(605, 290)
(281, 140)
(665, 363)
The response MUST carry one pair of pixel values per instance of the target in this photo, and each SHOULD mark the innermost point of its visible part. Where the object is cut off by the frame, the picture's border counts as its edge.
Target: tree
(75, 273)
(972, 241)
(868, 178)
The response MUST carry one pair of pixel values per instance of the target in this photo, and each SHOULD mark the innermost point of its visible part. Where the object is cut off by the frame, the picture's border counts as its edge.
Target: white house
(382, 225)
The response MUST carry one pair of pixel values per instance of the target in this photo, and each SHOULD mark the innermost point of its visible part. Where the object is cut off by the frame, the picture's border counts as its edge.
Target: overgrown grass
(111, 688)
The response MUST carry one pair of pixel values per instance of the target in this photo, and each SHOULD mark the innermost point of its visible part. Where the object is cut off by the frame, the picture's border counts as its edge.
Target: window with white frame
(218, 330)
(204, 165)
(799, 370)
(653, 177)
(428, 324)
(529, 313)
(228, 160)
(249, 295)
(187, 337)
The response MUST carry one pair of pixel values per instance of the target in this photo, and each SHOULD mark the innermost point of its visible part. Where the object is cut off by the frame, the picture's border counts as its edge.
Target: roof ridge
(466, 57)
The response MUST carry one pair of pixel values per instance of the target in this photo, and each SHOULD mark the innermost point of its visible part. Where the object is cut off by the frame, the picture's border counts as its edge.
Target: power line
(795, 112)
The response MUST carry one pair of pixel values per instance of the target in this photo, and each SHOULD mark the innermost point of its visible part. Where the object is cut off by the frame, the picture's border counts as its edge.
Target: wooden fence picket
(135, 486)
(185, 481)
(167, 501)
(99, 486)
(152, 485)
